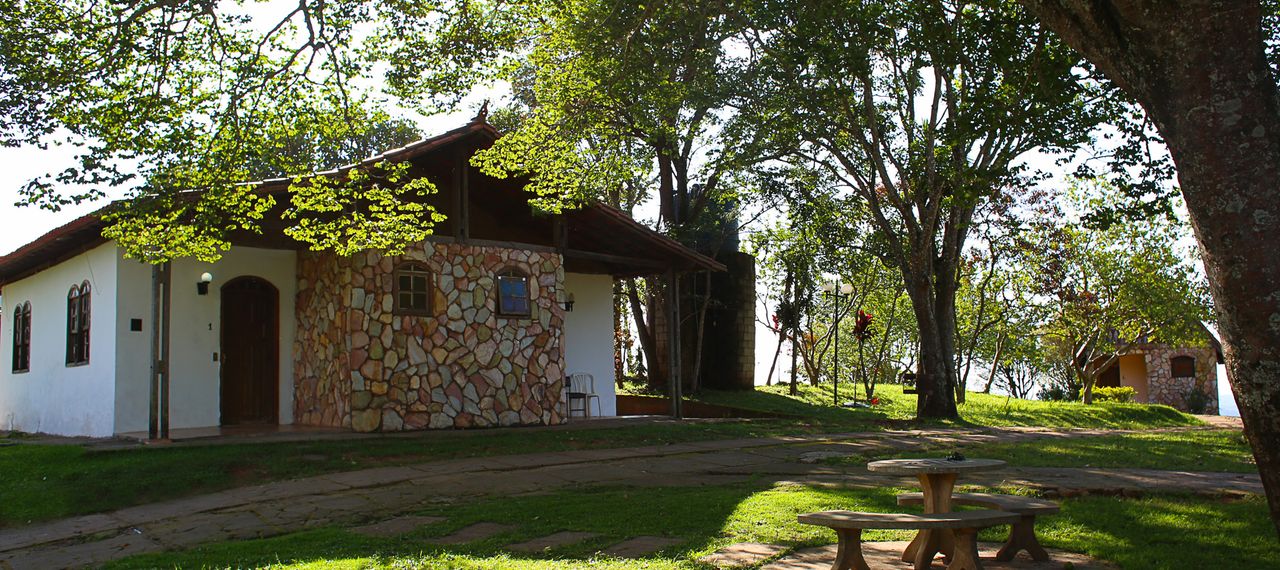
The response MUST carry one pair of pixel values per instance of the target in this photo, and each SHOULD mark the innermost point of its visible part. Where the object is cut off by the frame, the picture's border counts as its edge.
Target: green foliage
(1197, 400)
(173, 106)
(381, 209)
(1104, 291)
(1122, 394)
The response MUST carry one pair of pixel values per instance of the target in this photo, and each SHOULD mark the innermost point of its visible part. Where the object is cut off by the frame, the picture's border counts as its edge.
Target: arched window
(22, 338)
(78, 306)
(1182, 367)
(413, 289)
(513, 293)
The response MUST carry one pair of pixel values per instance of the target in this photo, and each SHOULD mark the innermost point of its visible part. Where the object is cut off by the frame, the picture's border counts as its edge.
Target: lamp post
(839, 292)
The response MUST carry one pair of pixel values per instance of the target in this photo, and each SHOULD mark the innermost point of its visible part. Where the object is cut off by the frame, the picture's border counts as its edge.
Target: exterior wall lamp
(202, 286)
(567, 303)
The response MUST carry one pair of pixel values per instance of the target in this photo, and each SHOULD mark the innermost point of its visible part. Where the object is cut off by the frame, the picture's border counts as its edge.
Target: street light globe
(828, 286)
(846, 288)
(206, 277)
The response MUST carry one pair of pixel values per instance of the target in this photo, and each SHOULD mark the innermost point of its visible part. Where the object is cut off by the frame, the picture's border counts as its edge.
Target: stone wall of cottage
(322, 384)
(1163, 388)
(460, 366)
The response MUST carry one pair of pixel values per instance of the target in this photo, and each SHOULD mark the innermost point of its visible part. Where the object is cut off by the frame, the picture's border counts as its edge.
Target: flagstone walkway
(366, 499)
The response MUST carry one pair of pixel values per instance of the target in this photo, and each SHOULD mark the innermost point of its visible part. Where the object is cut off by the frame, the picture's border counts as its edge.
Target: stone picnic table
(937, 480)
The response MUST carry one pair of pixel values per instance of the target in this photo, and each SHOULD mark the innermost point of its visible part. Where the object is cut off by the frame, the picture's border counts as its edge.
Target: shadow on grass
(702, 518)
(1167, 531)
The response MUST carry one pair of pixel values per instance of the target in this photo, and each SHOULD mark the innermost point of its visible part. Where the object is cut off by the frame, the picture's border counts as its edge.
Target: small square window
(413, 289)
(1182, 367)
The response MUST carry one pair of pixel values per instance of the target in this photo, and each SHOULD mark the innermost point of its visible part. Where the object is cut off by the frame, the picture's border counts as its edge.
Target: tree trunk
(768, 380)
(1087, 380)
(1199, 69)
(934, 374)
(648, 344)
(995, 363)
(619, 355)
(794, 349)
(696, 383)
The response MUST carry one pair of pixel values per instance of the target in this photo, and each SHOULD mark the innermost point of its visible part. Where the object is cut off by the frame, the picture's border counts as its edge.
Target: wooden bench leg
(928, 544)
(1022, 536)
(849, 551)
(937, 489)
(965, 555)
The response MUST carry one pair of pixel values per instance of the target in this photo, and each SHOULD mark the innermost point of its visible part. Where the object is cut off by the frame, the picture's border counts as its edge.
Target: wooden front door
(250, 355)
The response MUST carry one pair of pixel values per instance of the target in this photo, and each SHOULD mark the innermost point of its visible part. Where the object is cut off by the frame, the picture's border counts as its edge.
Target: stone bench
(965, 525)
(1022, 534)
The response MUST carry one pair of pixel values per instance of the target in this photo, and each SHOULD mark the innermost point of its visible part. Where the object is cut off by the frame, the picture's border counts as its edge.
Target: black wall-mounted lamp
(567, 303)
(202, 286)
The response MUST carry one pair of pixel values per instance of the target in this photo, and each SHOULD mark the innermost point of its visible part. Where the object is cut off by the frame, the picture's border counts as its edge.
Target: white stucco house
(477, 326)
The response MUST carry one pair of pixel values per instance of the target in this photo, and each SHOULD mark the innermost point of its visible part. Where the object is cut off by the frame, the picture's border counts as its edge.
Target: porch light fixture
(567, 303)
(202, 286)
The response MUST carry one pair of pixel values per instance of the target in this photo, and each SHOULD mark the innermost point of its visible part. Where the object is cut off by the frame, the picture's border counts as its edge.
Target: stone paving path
(477, 531)
(396, 526)
(742, 554)
(367, 496)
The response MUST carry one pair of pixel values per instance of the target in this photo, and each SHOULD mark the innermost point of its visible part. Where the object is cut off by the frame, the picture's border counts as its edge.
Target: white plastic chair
(582, 386)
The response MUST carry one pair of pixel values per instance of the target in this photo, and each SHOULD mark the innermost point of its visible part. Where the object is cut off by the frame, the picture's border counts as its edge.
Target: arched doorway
(250, 352)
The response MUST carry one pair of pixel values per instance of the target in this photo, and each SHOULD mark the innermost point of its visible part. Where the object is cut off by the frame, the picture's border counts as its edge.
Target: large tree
(1205, 72)
(922, 111)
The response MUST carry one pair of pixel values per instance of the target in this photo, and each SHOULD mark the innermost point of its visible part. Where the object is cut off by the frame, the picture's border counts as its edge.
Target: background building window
(513, 294)
(1182, 367)
(413, 289)
(22, 338)
(78, 324)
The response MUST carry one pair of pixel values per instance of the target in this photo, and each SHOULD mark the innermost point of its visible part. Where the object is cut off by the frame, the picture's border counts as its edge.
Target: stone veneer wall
(462, 366)
(322, 385)
(1163, 388)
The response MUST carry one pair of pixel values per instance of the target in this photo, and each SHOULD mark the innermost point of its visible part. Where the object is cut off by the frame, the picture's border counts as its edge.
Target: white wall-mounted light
(202, 286)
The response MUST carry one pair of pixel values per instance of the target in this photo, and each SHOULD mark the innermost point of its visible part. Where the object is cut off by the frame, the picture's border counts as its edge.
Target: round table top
(917, 466)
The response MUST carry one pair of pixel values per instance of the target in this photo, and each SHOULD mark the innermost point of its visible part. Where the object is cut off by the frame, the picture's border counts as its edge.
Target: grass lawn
(979, 410)
(1200, 450)
(43, 482)
(1163, 531)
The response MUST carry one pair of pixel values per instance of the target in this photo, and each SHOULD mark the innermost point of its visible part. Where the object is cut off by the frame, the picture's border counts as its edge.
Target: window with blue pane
(513, 294)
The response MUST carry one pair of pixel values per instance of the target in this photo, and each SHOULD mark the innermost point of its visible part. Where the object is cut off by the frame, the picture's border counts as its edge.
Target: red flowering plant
(862, 326)
(862, 332)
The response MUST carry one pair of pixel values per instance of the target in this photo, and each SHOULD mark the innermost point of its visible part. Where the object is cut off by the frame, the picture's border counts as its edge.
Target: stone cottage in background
(476, 326)
(1184, 377)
